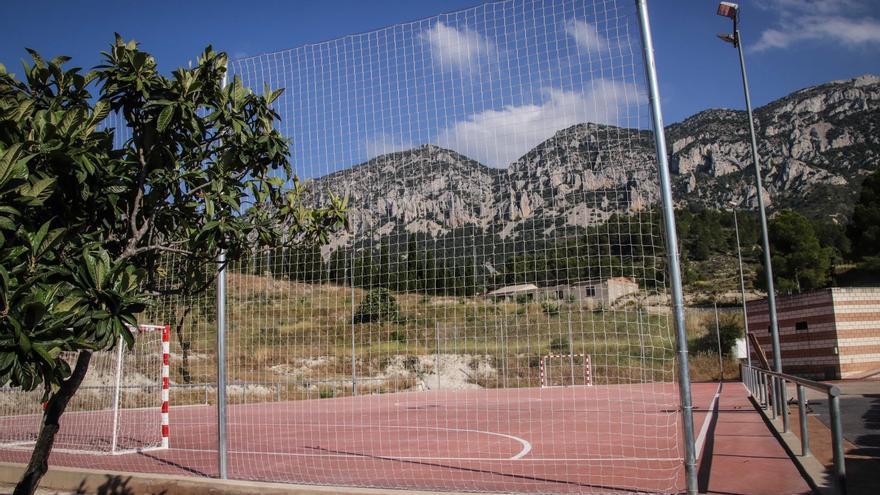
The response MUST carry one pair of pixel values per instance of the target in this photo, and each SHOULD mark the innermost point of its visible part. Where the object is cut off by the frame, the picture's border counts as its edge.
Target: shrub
(550, 308)
(560, 345)
(729, 330)
(326, 392)
(398, 336)
(378, 306)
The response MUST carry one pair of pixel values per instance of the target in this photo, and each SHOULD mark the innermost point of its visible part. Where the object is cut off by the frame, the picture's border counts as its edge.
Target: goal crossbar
(586, 372)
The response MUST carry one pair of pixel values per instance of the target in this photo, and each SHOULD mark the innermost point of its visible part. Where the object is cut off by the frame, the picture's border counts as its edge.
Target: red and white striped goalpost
(119, 372)
(165, 377)
(587, 368)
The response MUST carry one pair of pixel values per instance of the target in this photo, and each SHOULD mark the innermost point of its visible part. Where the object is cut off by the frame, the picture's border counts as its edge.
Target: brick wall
(826, 334)
(808, 351)
(857, 317)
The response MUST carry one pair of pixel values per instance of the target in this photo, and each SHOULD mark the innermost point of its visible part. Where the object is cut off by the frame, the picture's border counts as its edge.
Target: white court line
(701, 438)
(417, 458)
(526, 446)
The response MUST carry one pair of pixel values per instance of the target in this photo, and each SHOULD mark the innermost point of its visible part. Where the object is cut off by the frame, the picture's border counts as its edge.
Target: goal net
(565, 370)
(121, 406)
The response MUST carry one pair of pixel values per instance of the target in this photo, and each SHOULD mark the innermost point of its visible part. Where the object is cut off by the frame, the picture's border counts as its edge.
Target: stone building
(593, 293)
(827, 334)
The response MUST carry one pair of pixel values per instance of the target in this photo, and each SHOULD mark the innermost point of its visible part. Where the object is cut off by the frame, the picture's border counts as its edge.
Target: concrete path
(741, 455)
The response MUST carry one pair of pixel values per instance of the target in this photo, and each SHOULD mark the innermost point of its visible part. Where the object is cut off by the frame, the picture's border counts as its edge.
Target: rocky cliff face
(816, 145)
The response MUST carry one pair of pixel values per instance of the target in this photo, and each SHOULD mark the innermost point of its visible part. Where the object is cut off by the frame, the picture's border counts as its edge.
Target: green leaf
(164, 118)
(38, 191)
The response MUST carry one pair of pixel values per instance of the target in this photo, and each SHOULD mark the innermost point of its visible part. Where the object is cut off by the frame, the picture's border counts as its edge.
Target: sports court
(552, 440)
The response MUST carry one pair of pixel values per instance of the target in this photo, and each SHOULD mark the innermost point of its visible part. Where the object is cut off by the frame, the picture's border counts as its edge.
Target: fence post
(783, 405)
(120, 344)
(802, 413)
(837, 440)
(774, 396)
(221, 365)
(684, 381)
(353, 310)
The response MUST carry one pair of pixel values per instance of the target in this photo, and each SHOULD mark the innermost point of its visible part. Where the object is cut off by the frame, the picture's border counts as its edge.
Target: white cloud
(461, 49)
(385, 143)
(499, 137)
(837, 21)
(585, 35)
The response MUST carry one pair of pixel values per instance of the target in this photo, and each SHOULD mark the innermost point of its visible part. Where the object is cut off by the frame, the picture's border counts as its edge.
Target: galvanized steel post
(684, 382)
(742, 286)
(221, 366)
(837, 441)
(221, 356)
(802, 416)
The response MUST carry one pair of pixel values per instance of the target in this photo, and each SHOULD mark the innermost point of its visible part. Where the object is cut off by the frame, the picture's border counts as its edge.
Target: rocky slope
(816, 145)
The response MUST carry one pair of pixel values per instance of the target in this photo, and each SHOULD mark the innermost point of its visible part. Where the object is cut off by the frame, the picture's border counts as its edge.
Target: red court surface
(561, 440)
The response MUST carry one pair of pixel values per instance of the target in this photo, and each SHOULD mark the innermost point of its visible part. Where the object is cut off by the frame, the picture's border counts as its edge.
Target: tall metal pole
(221, 366)
(221, 358)
(759, 188)
(765, 238)
(353, 309)
(684, 381)
(718, 338)
(742, 286)
(116, 389)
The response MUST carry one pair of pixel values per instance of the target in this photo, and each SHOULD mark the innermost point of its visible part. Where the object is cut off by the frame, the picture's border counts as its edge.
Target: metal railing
(767, 387)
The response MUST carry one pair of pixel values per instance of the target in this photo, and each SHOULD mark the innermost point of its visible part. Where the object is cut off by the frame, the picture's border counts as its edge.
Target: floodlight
(728, 9)
(729, 38)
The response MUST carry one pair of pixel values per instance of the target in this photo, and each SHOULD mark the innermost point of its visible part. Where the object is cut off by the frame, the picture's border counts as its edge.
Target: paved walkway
(741, 455)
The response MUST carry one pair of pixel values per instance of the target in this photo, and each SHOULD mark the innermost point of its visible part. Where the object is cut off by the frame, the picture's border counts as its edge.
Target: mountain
(816, 146)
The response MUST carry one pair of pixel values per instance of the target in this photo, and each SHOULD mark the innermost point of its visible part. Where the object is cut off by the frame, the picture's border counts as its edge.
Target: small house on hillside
(513, 291)
(590, 293)
(598, 292)
(826, 334)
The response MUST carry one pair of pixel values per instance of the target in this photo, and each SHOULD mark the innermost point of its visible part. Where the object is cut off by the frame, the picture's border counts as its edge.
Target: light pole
(742, 286)
(731, 10)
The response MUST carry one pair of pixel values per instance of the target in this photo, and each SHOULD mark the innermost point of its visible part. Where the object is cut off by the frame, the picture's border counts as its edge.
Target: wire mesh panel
(502, 189)
(503, 220)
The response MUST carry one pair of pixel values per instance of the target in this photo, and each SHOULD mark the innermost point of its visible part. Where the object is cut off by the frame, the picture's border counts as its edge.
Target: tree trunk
(39, 462)
(185, 344)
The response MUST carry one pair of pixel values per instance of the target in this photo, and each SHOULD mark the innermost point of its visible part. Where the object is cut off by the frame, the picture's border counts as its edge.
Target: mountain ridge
(816, 145)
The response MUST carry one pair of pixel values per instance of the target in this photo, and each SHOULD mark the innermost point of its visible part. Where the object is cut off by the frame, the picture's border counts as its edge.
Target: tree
(800, 262)
(83, 224)
(864, 227)
(379, 305)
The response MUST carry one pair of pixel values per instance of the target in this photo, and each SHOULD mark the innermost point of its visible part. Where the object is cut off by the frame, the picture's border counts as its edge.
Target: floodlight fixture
(728, 38)
(728, 9)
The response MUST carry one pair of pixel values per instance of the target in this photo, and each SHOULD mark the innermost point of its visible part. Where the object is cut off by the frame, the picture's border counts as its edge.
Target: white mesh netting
(502, 181)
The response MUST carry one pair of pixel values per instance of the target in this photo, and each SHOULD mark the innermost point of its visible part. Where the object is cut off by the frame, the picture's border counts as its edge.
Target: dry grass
(275, 324)
(705, 368)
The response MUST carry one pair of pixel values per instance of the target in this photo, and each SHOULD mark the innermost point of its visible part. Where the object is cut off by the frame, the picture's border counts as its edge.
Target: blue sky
(478, 76)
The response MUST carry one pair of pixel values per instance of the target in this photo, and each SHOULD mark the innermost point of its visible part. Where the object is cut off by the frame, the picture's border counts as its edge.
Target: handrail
(764, 386)
(822, 387)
